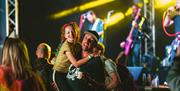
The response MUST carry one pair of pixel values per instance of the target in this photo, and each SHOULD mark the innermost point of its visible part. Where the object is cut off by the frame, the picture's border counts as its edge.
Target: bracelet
(89, 57)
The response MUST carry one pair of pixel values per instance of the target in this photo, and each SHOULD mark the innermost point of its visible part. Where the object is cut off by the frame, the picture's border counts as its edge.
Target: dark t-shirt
(95, 69)
(177, 23)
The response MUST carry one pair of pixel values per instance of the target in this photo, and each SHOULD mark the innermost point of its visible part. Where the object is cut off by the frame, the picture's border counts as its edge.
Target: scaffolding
(12, 18)
(149, 13)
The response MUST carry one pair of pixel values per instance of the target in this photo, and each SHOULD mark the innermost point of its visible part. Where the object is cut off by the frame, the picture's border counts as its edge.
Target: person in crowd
(173, 77)
(67, 55)
(92, 73)
(173, 18)
(112, 77)
(16, 71)
(127, 80)
(121, 58)
(93, 23)
(136, 36)
(43, 66)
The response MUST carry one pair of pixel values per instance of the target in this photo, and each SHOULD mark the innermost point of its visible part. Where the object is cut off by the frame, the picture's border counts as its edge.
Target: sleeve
(109, 66)
(65, 48)
(101, 26)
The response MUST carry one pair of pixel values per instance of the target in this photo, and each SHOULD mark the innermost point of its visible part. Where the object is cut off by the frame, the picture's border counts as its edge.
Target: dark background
(36, 26)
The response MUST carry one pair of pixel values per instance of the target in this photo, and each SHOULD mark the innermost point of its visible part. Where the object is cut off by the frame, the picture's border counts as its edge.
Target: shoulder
(4, 70)
(5, 75)
(66, 46)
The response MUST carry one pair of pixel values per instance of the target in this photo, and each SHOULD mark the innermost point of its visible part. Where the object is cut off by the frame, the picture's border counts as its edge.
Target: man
(173, 77)
(112, 77)
(93, 71)
(139, 27)
(173, 17)
(43, 65)
(94, 24)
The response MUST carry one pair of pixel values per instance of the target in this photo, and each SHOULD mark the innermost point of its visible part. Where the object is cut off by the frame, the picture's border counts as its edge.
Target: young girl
(68, 54)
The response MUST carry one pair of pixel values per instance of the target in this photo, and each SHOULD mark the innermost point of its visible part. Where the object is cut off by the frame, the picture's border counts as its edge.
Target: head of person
(99, 49)
(91, 16)
(122, 44)
(15, 56)
(135, 9)
(90, 40)
(43, 51)
(70, 32)
(178, 4)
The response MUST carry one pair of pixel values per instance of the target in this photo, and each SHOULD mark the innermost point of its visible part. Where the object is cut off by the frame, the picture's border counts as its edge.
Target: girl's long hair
(15, 55)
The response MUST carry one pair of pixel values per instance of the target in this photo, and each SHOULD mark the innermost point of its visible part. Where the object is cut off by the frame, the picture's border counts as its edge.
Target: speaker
(135, 71)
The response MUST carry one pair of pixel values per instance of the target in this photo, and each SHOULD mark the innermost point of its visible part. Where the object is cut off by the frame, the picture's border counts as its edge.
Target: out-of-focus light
(164, 3)
(146, 1)
(128, 12)
(94, 4)
(80, 8)
(115, 18)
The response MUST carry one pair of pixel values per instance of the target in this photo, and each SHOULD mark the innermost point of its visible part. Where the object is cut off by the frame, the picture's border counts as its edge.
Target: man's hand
(171, 9)
(135, 24)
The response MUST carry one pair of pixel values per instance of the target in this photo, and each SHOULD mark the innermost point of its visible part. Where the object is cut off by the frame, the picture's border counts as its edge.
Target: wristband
(90, 56)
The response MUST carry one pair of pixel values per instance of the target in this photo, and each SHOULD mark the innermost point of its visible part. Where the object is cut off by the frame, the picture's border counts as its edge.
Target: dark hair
(94, 34)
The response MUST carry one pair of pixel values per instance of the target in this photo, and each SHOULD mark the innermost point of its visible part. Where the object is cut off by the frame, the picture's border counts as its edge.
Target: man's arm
(168, 21)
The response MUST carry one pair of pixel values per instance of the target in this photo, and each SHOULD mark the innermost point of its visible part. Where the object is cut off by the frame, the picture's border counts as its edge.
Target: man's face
(90, 17)
(134, 9)
(88, 42)
(39, 52)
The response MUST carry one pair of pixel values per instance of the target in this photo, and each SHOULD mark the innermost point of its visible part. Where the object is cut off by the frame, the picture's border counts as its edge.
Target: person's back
(9, 83)
(43, 66)
(16, 71)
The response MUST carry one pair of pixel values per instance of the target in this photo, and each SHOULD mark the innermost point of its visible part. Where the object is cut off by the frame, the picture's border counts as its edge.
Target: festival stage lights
(164, 3)
(128, 12)
(80, 8)
(115, 18)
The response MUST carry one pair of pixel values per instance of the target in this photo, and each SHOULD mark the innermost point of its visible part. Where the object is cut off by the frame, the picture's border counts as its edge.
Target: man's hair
(94, 34)
(46, 49)
(90, 12)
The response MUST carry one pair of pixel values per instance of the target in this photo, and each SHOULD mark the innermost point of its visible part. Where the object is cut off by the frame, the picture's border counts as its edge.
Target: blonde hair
(15, 55)
(45, 49)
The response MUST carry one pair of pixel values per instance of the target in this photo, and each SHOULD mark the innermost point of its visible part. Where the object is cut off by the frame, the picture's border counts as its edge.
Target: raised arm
(168, 21)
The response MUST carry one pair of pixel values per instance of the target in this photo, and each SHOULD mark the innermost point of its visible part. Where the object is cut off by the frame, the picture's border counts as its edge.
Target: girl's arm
(75, 62)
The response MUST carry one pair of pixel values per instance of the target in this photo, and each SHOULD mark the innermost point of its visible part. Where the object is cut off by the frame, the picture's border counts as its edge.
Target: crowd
(79, 64)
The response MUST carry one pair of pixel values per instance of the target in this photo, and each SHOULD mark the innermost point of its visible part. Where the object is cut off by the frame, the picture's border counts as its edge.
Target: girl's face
(69, 34)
